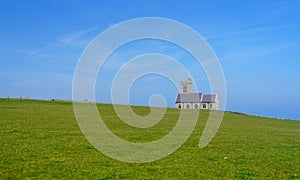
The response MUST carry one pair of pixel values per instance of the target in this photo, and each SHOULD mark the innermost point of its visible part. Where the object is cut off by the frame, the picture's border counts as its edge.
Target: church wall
(188, 105)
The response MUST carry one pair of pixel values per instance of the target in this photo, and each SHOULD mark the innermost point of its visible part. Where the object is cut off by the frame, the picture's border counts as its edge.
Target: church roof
(209, 98)
(195, 98)
(190, 97)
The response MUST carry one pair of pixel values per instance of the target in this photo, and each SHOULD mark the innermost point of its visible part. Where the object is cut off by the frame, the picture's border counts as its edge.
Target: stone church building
(187, 99)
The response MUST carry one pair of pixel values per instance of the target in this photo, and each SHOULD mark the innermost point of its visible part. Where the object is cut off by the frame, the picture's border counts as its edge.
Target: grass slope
(41, 139)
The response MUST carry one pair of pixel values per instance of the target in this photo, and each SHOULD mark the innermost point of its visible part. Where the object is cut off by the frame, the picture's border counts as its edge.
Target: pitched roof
(190, 97)
(196, 97)
(209, 98)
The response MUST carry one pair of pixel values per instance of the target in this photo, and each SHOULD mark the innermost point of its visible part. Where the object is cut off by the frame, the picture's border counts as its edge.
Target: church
(187, 99)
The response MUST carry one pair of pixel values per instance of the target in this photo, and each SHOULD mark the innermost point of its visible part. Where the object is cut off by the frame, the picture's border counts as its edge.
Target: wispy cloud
(63, 47)
(254, 52)
(245, 31)
(46, 55)
(256, 26)
(265, 28)
(251, 41)
(79, 38)
(37, 53)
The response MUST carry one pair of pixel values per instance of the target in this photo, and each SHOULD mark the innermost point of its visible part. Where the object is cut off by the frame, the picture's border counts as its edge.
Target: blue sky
(257, 43)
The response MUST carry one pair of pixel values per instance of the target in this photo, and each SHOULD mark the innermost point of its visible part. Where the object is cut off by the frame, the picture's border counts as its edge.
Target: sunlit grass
(41, 139)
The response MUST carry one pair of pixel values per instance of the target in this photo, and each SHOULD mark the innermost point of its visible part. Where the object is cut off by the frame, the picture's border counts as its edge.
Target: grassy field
(41, 139)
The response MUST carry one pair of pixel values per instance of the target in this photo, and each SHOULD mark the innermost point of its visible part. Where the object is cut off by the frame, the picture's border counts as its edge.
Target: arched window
(179, 106)
(204, 106)
(188, 106)
(196, 106)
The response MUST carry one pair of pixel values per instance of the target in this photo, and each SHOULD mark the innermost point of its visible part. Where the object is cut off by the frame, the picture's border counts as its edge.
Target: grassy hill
(41, 139)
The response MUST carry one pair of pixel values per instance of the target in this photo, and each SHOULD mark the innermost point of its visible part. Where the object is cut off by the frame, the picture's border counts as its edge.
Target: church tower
(186, 86)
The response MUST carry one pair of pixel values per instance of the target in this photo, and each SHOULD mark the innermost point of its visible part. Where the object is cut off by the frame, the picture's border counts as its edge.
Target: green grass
(41, 139)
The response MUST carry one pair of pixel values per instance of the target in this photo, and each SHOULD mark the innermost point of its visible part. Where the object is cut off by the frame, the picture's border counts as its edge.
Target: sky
(257, 44)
